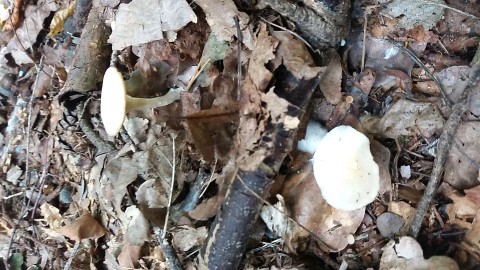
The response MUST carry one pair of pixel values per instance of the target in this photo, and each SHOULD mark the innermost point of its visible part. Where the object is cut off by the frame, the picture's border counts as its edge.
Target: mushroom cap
(113, 101)
(344, 169)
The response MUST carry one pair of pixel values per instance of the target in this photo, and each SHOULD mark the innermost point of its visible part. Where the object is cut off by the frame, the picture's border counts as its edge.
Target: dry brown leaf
(212, 131)
(473, 235)
(129, 256)
(461, 210)
(52, 216)
(221, 18)
(305, 202)
(206, 209)
(185, 237)
(13, 21)
(295, 56)
(461, 168)
(84, 227)
(59, 18)
(418, 118)
(136, 23)
(330, 83)
(262, 53)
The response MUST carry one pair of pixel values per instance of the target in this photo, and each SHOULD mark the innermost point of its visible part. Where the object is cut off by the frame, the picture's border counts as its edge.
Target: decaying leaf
(461, 168)
(129, 256)
(416, 118)
(221, 18)
(330, 83)
(137, 228)
(185, 237)
(59, 18)
(461, 210)
(412, 13)
(278, 222)
(140, 22)
(261, 55)
(84, 227)
(13, 21)
(52, 215)
(408, 254)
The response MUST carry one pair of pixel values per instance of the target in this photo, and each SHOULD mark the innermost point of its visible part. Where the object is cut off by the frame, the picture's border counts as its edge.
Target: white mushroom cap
(344, 169)
(113, 101)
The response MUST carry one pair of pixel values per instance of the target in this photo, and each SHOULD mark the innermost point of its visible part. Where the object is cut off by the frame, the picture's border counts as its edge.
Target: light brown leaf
(59, 19)
(84, 227)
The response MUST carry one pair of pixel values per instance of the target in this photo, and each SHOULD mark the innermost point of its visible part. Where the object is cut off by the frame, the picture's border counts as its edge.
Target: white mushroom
(115, 102)
(313, 135)
(344, 169)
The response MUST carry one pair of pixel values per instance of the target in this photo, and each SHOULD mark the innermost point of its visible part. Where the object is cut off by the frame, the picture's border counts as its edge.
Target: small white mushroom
(313, 135)
(115, 102)
(344, 169)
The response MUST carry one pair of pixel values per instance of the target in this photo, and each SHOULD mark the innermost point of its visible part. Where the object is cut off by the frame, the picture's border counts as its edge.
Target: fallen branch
(442, 150)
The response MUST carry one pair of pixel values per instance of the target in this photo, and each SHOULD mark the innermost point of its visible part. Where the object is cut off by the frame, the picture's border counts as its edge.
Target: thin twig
(365, 22)
(168, 251)
(319, 240)
(27, 161)
(442, 149)
(239, 54)
(451, 8)
(70, 259)
(171, 186)
(429, 73)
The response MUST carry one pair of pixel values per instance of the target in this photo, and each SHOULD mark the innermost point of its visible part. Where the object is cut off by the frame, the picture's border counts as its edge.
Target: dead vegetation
(213, 179)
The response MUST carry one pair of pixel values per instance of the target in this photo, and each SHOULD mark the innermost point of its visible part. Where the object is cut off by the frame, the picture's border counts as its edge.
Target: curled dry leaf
(84, 227)
(59, 19)
(295, 56)
(261, 55)
(52, 215)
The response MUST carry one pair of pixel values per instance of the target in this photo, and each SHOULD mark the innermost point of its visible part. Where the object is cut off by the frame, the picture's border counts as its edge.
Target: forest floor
(73, 197)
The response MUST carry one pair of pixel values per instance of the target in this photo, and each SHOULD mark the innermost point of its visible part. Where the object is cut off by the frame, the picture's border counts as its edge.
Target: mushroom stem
(135, 103)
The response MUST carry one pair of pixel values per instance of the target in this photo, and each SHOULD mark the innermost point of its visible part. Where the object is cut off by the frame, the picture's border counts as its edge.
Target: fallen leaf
(220, 17)
(461, 168)
(52, 216)
(84, 227)
(59, 19)
(185, 237)
(306, 205)
(417, 118)
(129, 256)
(408, 254)
(331, 80)
(137, 228)
(412, 13)
(13, 21)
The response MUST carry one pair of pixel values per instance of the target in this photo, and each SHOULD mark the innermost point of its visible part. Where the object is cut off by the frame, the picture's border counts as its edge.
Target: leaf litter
(124, 194)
